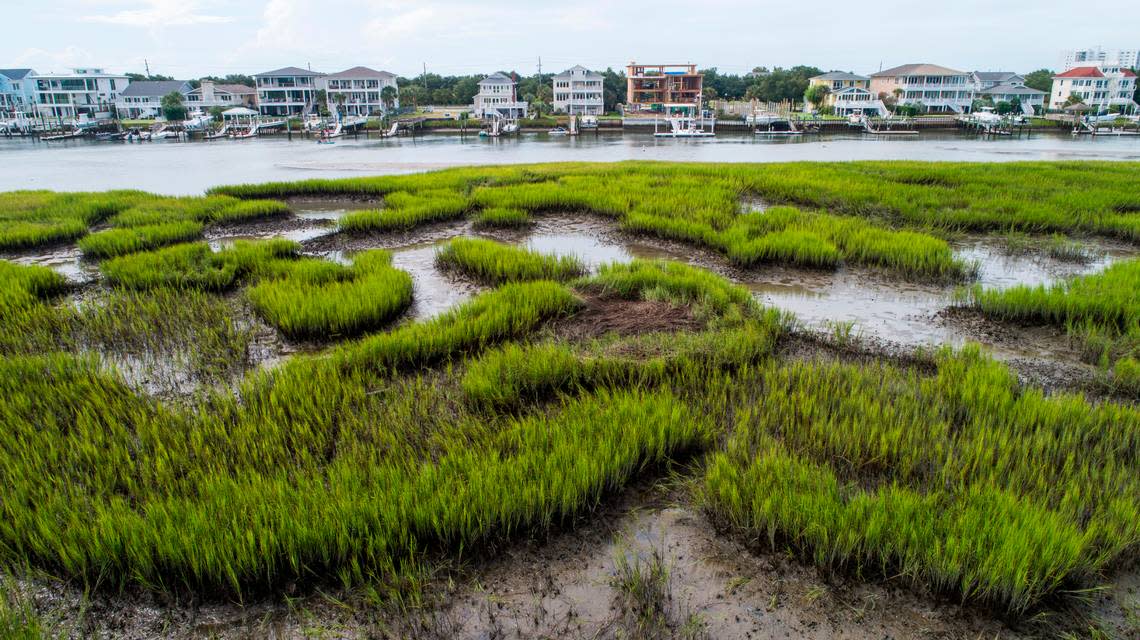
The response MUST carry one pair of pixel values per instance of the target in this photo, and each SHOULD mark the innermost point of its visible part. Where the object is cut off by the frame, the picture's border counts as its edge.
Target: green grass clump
(195, 265)
(24, 286)
(510, 311)
(266, 490)
(36, 218)
(405, 210)
(513, 376)
(960, 481)
(501, 218)
(712, 297)
(308, 304)
(121, 241)
(493, 263)
(1101, 311)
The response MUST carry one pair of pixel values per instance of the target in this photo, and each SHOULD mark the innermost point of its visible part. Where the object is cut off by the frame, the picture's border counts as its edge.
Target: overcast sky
(192, 38)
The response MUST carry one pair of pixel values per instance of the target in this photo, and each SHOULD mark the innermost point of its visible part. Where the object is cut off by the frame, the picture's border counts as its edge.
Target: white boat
(687, 123)
(558, 131)
(588, 122)
(511, 127)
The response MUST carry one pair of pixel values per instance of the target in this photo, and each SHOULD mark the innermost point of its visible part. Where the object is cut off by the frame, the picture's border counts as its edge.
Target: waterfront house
(210, 94)
(1102, 88)
(849, 94)
(498, 98)
(86, 92)
(290, 91)
(982, 80)
(359, 92)
(928, 86)
(650, 87)
(578, 91)
(17, 92)
(143, 98)
(1007, 86)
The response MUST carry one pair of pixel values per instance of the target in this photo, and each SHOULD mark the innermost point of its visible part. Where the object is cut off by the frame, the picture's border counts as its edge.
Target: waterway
(185, 168)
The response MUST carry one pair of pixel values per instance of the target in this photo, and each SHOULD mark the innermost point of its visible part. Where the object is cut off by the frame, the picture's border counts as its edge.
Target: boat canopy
(239, 112)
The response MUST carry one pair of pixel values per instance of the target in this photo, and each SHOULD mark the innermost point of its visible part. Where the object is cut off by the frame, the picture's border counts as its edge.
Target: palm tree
(388, 96)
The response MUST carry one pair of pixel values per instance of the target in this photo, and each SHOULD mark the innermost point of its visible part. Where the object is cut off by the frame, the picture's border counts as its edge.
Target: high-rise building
(1097, 56)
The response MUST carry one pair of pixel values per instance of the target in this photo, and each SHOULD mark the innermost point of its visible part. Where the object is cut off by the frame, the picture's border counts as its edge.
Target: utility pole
(425, 76)
(147, 65)
(540, 65)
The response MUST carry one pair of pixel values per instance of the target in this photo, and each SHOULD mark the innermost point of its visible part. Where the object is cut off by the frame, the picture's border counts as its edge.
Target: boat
(224, 132)
(64, 136)
(589, 122)
(245, 134)
(558, 131)
(110, 136)
(511, 127)
(689, 123)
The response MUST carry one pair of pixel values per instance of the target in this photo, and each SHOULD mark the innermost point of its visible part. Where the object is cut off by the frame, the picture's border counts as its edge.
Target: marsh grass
(117, 242)
(501, 218)
(961, 482)
(196, 266)
(314, 302)
(362, 463)
(494, 263)
(1101, 311)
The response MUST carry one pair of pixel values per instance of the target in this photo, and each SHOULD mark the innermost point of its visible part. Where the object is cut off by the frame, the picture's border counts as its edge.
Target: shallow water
(175, 167)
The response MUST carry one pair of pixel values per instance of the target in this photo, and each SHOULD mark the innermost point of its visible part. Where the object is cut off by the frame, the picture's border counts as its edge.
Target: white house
(578, 91)
(290, 91)
(210, 94)
(1099, 87)
(359, 91)
(88, 92)
(848, 94)
(17, 92)
(498, 97)
(143, 98)
(1007, 86)
(935, 87)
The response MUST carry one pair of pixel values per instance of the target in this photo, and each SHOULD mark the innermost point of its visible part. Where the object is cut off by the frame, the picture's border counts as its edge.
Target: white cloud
(45, 61)
(156, 14)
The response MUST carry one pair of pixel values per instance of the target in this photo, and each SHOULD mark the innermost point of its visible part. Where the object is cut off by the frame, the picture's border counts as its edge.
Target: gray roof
(995, 76)
(839, 75)
(578, 67)
(497, 78)
(16, 74)
(919, 69)
(288, 71)
(155, 88)
(361, 72)
(1013, 88)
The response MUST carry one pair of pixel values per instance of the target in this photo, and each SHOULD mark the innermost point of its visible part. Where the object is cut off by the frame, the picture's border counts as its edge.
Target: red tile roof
(1081, 72)
(1128, 73)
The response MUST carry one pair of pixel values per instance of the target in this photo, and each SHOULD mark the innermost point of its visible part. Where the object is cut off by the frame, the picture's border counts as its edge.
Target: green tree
(613, 89)
(817, 94)
(233, 78)
(1073, 99)
(783, 84)
(388, 96)
(1042, 80)
(140, 77)
(172, 108)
